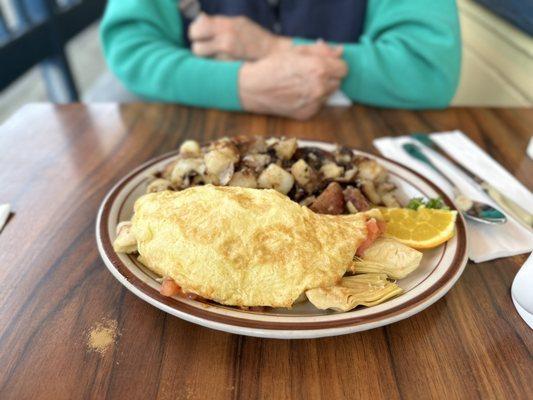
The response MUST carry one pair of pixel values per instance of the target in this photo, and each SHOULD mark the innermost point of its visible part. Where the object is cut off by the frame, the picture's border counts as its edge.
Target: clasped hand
(277, 77)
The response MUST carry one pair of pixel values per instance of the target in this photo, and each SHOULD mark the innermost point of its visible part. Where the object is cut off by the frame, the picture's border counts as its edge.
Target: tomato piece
(373, 230)
(169, 287)
(382, 225)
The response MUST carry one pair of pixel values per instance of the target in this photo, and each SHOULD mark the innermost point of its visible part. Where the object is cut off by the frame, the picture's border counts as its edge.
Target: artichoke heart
(387, 256)
(352, 291)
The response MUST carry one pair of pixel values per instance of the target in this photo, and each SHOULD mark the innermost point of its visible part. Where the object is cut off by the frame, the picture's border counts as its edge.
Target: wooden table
(56, 164)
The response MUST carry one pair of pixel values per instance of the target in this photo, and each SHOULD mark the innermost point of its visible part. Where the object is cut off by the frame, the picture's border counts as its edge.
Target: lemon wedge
(424, 228)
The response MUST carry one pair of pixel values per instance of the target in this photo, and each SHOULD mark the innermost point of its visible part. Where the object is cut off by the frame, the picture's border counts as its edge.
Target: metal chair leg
(58, 78)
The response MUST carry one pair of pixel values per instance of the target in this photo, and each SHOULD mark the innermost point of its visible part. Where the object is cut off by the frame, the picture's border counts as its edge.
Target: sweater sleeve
(408, 56)
(144, 46)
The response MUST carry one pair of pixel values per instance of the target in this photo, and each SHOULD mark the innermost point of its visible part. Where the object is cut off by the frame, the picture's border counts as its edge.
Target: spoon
(471, 209)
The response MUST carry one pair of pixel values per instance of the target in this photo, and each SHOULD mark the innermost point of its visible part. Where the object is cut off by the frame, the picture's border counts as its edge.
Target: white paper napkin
(486, 242)
(339, 99)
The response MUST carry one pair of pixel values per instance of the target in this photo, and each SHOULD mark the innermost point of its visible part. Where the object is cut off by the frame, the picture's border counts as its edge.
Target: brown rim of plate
(205, 314)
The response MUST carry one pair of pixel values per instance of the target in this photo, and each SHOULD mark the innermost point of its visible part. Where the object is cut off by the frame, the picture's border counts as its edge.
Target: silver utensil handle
(417, 153)
(513, 208)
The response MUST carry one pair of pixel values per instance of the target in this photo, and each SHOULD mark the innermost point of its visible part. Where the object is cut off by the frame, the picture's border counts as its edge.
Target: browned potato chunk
(271, 142)
(356, 198)
(256, 161)
(286, 148)
(385, 187)
(330, 201)
(343, 155)
(275, 177)
(371, 170)
(349, 175)
(390, 200)
(184, 167)
(369, 189)
(158, 185)
(330, 170)
(244, 178)
(226, 147)
(305, 175)
(190, 148)
(219, 166)
(167, 170)
(251, 145)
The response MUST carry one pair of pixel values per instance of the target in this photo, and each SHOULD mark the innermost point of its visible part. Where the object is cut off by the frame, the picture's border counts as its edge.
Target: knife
(502, 200)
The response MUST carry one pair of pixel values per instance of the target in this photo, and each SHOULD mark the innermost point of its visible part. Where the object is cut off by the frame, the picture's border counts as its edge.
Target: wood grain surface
(57, 163)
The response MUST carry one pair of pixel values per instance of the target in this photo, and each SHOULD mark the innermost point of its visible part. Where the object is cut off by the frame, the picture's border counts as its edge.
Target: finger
(336, 51)
(206, 48)
(202, 28)
(337, 68)
(312, 50)
(223, 46)
(321, 49)
(223, 57)
(333, 50)
(331, 86)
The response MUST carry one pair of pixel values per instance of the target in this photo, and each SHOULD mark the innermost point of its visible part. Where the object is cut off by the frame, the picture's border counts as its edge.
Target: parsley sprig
(417, 202)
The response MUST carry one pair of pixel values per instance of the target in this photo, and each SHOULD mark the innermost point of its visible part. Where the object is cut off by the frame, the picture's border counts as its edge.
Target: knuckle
(319, 69)
(196, 48)
(228, 29)
(218, 24)
(227, 25)
(195, 29)
(204, 22)
(226, 43)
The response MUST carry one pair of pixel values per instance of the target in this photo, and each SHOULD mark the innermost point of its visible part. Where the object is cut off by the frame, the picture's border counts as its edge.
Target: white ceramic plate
(439, 270)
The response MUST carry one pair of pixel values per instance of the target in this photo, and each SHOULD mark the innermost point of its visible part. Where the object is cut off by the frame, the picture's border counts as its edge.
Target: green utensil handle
(415, 152)
(424, 139)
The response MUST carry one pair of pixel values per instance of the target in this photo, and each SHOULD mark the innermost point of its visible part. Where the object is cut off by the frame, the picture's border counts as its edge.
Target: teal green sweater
(408, 56)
